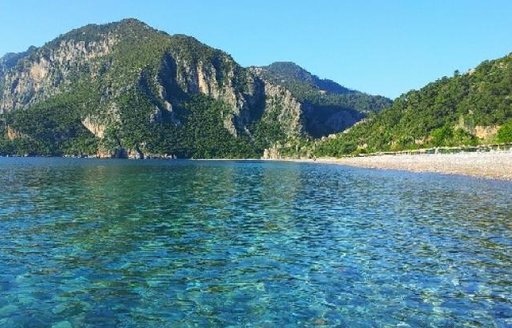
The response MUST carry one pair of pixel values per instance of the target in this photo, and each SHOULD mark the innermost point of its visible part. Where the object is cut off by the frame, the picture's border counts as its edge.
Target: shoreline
(488, 165)
(495, 165)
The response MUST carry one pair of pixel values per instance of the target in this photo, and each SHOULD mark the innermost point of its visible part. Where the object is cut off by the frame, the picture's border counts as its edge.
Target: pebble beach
(491, 165)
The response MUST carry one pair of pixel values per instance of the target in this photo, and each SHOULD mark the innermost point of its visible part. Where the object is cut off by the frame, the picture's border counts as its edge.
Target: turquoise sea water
(91, 243)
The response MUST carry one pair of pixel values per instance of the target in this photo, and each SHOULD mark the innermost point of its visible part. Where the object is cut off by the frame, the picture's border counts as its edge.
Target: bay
(103, 243)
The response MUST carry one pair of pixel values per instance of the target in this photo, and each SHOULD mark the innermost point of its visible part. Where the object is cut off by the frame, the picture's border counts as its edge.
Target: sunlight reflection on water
(95, 243)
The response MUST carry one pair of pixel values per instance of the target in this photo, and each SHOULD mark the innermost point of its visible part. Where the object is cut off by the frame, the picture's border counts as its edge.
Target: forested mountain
(126, 88)
(466, 109)
(329, 106)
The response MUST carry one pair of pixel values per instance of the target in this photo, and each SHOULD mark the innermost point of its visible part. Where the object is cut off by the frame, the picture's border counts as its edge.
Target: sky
(384, 47)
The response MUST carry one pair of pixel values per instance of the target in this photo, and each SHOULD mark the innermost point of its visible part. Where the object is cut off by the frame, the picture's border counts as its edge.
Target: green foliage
(135, 124)
(200, 132)
(320, 92)
(447, 136)
(51, 128)
(335, 148)
(441, 136)
(443, 113)
(505, 132)
(204, 133)
(268, 130)
(5, 144)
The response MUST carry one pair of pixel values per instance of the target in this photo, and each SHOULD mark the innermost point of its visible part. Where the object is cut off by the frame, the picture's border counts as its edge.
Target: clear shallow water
(90, 243)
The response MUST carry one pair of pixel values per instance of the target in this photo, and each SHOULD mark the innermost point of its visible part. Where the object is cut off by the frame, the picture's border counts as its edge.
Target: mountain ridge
(126, 86)
(292, 71)
(322, 98)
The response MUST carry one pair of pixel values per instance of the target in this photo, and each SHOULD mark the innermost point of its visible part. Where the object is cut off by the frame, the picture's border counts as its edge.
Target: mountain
(466, 109)
(125, 88)
(328, 106)
(10, 60)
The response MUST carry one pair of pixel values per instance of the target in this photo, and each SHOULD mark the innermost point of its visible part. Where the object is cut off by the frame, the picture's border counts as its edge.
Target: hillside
(127, 89)
(329, 107)
(466, 109)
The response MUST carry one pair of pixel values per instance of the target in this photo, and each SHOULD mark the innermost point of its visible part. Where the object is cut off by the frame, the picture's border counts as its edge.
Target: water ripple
(163, 244)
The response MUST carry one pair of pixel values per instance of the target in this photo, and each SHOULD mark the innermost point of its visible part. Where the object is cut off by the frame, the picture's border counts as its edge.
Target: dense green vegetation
(443, 113)
(200, 133)
(321, 92)
(144, 92)
(5, 144)
(505, 132)
(204, 134)
(49, 128)
(54, 128)
(268, 130)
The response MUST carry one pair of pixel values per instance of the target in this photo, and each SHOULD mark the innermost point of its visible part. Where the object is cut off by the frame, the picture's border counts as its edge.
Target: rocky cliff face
(49, 70)
(125, 83)
(289, 111)
(222, 80)
(326, 106)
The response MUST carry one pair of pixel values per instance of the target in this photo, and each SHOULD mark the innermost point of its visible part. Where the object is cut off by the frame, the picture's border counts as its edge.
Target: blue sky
(377, 46)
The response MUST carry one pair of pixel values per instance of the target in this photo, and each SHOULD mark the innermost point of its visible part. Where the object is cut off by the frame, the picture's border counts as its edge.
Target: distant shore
(491, 165)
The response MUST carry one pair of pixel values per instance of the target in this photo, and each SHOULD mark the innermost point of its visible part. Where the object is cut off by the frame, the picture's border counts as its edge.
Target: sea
(183, 243)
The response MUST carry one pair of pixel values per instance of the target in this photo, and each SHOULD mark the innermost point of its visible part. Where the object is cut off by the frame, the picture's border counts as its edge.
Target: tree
(505, 132)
